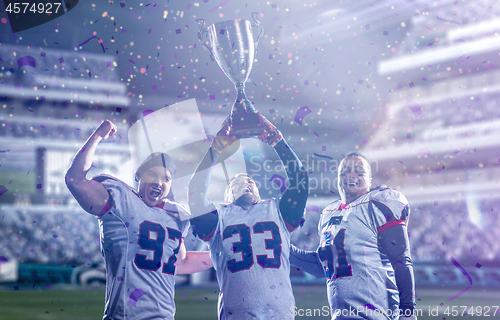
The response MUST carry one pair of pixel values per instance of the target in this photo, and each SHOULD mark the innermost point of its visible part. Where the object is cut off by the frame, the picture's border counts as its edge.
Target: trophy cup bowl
(232, 46)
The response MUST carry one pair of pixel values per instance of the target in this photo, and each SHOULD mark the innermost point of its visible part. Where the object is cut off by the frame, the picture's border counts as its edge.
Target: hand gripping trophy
(232, 46)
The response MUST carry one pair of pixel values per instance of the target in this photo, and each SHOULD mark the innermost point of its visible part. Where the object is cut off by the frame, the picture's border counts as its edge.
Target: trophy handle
(203, 33)
(256, 23)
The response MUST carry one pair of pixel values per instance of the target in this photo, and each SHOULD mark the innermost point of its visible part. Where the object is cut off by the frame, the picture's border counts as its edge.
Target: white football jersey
(139, 244)
(360, 279)
(250, 251)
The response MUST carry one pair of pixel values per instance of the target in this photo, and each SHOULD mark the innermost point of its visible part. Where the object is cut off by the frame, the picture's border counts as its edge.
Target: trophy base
(246, 126)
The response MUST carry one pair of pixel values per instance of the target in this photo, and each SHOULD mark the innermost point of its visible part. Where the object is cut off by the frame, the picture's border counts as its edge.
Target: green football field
(201, 303)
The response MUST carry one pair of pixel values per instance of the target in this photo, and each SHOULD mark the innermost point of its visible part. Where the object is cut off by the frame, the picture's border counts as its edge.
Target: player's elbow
(69, 179)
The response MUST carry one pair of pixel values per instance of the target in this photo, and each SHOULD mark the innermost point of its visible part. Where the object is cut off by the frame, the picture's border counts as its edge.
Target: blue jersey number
(326, 254)
(245, 246)
(152, 237)
(274, 243)
(242, 246)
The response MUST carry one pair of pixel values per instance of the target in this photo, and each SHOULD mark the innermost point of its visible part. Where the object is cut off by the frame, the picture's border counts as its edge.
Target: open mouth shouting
(154, 192)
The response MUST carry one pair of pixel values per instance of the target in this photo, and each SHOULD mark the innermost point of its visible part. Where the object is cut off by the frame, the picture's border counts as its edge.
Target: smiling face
(155, 185)
(242, 188)
(354, 178)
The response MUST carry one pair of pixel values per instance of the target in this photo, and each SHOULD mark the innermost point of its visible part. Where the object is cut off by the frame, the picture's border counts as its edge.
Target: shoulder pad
(388, 195)
(176, 208)
(332, 206)
(105, 177)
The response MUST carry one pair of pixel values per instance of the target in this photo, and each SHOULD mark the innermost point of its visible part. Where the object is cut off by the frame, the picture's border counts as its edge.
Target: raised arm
(192, 261)
(293, 201)
(90, 194)
(204, 212)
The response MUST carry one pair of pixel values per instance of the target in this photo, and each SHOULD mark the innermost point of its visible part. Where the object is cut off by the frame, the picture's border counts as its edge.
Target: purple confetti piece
(280, 181)
(306, 83)
(446, 20)
(478, 265)
(26, 61)
(178, 31)
(272, 111)
(47, 286)
(360, 81)
(424, 151)
(312, 207)
(118, 110)
(147, 112)
(216, 7)
(136, 295)
(39, 186)
(61, 60)
(212, 97)
(321, 156)
(465, 274)
(385, 33)
(55, 236)
(301, 113)
(3, 259)
(414, 107)
(43, 54)
(154, 87)
(132, 61)
(86, 41)
(411, 84)
(369, 306)
(3, 189)
(122, 4)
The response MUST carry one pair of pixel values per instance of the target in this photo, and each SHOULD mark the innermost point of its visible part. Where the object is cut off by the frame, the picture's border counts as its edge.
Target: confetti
(280, 181)
(3, 259)
(414, 107)
(26, 61)
(86, 41)
(3, 189)
(322, 156)
(136, 295)
(312, 207)
(424, 151)
(455, 262)
(301, 113)
(446, 20)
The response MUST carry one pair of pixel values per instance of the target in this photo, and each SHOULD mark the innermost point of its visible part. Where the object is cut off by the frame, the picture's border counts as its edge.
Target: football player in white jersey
(249, 237)
(141, 232)
(364, 250)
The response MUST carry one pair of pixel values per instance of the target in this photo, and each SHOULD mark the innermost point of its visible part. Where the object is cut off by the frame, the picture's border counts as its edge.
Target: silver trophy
(232, 46)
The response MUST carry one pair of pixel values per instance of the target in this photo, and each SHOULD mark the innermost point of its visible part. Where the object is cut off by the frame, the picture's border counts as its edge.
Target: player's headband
(157, 159)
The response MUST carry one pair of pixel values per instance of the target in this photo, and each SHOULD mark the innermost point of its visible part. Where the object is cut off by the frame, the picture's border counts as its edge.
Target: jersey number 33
(244, 246)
